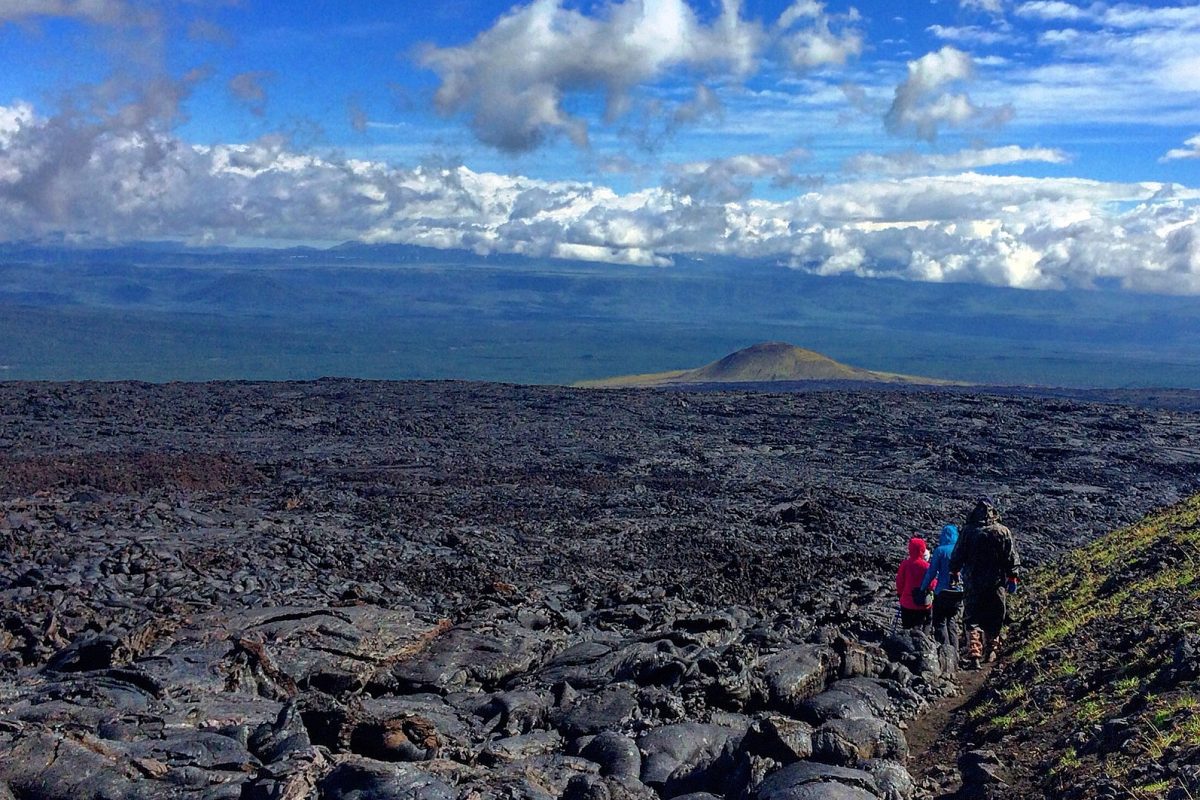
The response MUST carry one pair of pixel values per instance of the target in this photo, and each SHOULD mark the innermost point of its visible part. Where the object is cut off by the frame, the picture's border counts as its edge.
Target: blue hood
(939, 564)
(949, 536)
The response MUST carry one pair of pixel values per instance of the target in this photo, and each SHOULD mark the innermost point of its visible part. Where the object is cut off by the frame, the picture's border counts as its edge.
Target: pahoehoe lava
(449, 590)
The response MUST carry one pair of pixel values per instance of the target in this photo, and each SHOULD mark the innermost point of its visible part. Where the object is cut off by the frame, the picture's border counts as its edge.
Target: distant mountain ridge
(765, 362)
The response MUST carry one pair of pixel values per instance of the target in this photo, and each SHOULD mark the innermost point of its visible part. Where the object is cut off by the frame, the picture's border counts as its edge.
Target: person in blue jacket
(947, 598)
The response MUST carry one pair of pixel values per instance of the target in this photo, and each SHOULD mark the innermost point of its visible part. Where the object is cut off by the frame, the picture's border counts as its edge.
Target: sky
(1040, 144)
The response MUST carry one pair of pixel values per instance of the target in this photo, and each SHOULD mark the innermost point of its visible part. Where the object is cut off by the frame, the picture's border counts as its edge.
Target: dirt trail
(933, 738)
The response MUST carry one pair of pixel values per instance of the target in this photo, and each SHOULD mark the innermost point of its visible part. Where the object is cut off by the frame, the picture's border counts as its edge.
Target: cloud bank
(110, 166)
(128, 179)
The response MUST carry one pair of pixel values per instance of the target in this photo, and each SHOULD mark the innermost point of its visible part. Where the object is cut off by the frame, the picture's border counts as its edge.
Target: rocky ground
(345, 589)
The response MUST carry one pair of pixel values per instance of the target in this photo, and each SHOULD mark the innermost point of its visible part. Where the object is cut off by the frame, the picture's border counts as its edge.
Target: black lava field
(348, 590)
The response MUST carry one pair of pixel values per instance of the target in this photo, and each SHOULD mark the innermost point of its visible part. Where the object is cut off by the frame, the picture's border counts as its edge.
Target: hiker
(914, 603)
(947, 598)
(987, 559)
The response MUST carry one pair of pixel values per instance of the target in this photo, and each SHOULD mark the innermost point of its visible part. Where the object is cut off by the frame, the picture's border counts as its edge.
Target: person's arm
(930, 578)
(1013, 559)
(900, 580)
(959, 556)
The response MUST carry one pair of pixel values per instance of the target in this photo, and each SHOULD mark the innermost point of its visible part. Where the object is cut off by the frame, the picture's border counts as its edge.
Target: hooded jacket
(911, 573)
(938, 574)
(985, 553)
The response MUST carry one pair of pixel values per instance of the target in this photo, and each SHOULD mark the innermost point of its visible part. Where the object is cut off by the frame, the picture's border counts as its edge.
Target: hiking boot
(992, 650)
(974, 645)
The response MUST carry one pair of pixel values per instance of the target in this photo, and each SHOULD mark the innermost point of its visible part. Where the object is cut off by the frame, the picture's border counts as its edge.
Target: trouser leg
(993, 612)
(985, 609)
(940, 633)
(945, 620)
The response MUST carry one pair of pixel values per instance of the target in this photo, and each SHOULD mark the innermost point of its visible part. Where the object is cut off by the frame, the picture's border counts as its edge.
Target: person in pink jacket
(915, 604)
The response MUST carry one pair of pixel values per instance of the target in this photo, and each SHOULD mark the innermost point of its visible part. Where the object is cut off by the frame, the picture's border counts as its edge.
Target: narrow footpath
(934, 740)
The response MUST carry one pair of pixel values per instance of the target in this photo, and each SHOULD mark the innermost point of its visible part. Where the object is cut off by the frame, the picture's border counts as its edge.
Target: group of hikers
(970, 571)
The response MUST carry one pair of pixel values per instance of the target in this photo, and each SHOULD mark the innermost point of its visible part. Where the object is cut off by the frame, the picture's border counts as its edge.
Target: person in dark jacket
(947, 598)
(986, 556)
(914, 609)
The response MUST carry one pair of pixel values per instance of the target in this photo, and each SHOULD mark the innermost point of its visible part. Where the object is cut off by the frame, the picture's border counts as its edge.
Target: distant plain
(165, 313)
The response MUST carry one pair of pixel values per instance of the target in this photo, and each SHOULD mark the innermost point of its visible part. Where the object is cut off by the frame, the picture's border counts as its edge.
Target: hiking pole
(895, 622)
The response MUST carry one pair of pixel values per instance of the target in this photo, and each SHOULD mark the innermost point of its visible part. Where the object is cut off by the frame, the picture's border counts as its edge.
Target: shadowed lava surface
(446, 590)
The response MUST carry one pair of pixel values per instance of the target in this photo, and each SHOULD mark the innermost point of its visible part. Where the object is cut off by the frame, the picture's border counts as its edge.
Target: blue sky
(1036, 143)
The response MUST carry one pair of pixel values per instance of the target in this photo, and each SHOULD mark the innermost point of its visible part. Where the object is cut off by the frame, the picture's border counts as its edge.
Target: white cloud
(819, 44)
(1182, 73)
(1051, 10)
(922, 103)
(1135, 17)
(1014, 232)
(512, 79)
(1148, 51)
(1191, 149)
(512, 82)
(13, 118)
(912, 163)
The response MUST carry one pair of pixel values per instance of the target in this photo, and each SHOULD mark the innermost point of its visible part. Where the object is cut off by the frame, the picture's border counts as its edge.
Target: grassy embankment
(1101, 687)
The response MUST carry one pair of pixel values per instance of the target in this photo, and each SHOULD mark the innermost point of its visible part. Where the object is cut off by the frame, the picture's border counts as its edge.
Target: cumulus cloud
(810, 38)
(1191, 148)
(43, 159)
(13, 118)
(923, 102)
(513, 80)
(117, 182)
(913, 163)
(1012, 231)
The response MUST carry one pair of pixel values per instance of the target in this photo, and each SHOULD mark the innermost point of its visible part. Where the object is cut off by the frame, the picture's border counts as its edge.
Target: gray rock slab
(806, 780)
(791, 677)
